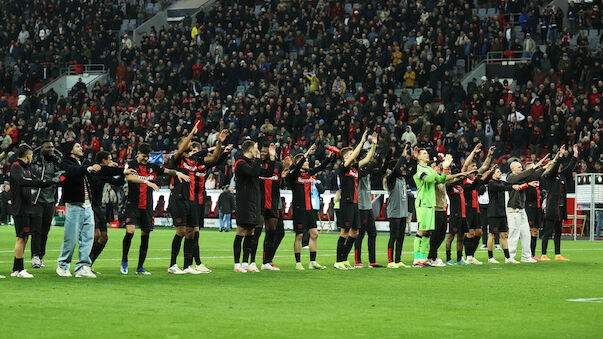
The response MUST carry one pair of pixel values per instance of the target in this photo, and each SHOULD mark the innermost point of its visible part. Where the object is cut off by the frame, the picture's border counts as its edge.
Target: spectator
(226, 207)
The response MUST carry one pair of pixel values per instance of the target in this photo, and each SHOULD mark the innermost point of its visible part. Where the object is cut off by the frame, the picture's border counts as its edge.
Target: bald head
(516, 167)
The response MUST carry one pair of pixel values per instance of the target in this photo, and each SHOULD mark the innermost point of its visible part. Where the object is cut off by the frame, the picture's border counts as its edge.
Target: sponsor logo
(272, 178)
(148, 177)
(352, 173)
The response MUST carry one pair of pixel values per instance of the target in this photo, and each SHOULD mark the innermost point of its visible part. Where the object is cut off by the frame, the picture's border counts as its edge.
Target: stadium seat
(348, 8)
(358, 86)
(416, 93)
(482, 12)
(460, 62)
(492, 12)
(149, 8)
(398, 92)
(157, 7)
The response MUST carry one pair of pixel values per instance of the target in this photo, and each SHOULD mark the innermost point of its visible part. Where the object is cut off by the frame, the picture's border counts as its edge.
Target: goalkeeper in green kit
(426, 179)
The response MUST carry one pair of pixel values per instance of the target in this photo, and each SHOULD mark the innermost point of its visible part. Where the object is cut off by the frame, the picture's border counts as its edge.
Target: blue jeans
(79, 227)
(225, 218)
(599, 217)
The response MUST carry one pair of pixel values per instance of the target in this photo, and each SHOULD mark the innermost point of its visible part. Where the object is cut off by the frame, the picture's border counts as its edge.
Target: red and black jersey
(470, 186)
(188, 166)
(141, 195)
(270, 187)
(200, 174)
(348, 179)
(533, 196)
(456, 195)
(300, 182)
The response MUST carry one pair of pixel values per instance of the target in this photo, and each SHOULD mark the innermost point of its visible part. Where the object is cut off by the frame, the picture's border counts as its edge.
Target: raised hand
(374, 138)
(491, 150)
(311, 150)
(576, 150)
(222, 136)
(364, 135)
(272, 151)
(447, 161)
(195, 128)
(477, 148)
(405, 151)
(543, 160)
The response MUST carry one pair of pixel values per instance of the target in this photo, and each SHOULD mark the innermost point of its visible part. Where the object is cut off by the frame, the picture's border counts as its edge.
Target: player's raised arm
(356, 152)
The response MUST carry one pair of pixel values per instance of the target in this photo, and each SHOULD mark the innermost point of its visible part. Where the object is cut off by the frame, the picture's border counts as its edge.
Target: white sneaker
(493, 261)
(85, 272)
(42, 263)
(498, 247)
(439, 263)
(528, 260)
(484, 247)
(511, 261)
(306, 247)
(2, 277)
(191, 270)
(239, 269)
(252, 268)
(36, 262)
(244, 266)
(22, 274)
(63, 273)
(202, 268)
(473, 261)
(267, 267)
(175, 270)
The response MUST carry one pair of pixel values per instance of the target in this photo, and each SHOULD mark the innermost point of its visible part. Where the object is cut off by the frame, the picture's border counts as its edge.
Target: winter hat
(67, 148)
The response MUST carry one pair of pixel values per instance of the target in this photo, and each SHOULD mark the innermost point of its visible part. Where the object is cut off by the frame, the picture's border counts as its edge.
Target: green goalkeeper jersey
(426, 178)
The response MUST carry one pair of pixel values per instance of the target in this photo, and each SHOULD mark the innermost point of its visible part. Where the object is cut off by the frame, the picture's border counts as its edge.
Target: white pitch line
(587, 300)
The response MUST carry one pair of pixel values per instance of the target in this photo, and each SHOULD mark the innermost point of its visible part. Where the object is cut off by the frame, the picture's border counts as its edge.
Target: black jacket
(48, 171)
(76, 176)
(226, 202)
(248, 199)
(556, 200)
(496, 192)
(517, 199)
(21, 183)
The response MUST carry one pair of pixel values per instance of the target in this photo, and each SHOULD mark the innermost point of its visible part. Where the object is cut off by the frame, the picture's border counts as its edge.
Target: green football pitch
(505, 300)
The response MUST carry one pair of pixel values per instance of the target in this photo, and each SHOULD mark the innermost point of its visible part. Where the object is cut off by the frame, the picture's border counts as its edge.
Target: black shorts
(534, 217)
(269, 213)
(350, 215)
(472, 218)
(303, 220)
(100, 218)
(458, 225)
(200, 216)
(367, 220)
(498, 224)
(184, 213)
(141, 218)
(440, 222)
(23, 225)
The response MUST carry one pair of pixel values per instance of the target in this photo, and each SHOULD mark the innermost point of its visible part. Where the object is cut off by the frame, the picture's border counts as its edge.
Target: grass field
(526, 300)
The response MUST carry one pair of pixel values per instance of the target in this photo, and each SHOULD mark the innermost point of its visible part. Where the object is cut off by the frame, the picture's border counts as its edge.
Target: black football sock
(97, 248)
(188, 252)
(237, 248)
(126, 246)
(358, 247)
(18, 265)
(254, 243)
(507, 253)
(298, 258)
(340, 245)
(196, 254)
(467, 242)
(176, 244)
(476, 244)
(490, 254)
(312, 256)
(279, 234)
(399, 245)
(349, 243)
(372, 239)
(144, 246)
(268, 246)
(247, 247)
(459, 255)
(448, 255)
(533, 242)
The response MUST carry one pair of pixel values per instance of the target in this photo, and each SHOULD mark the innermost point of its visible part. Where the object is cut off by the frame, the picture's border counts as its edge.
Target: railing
(502, 56)
(75, 69)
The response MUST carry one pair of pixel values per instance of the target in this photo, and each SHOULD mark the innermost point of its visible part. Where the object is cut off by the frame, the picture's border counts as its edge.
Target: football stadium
(301, 168)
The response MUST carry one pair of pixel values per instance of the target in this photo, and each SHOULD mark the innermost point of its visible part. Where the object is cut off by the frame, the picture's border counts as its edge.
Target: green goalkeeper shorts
(426, 218)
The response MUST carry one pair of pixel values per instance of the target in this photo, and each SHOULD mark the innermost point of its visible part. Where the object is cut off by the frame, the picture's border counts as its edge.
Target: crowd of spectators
(299, 72)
